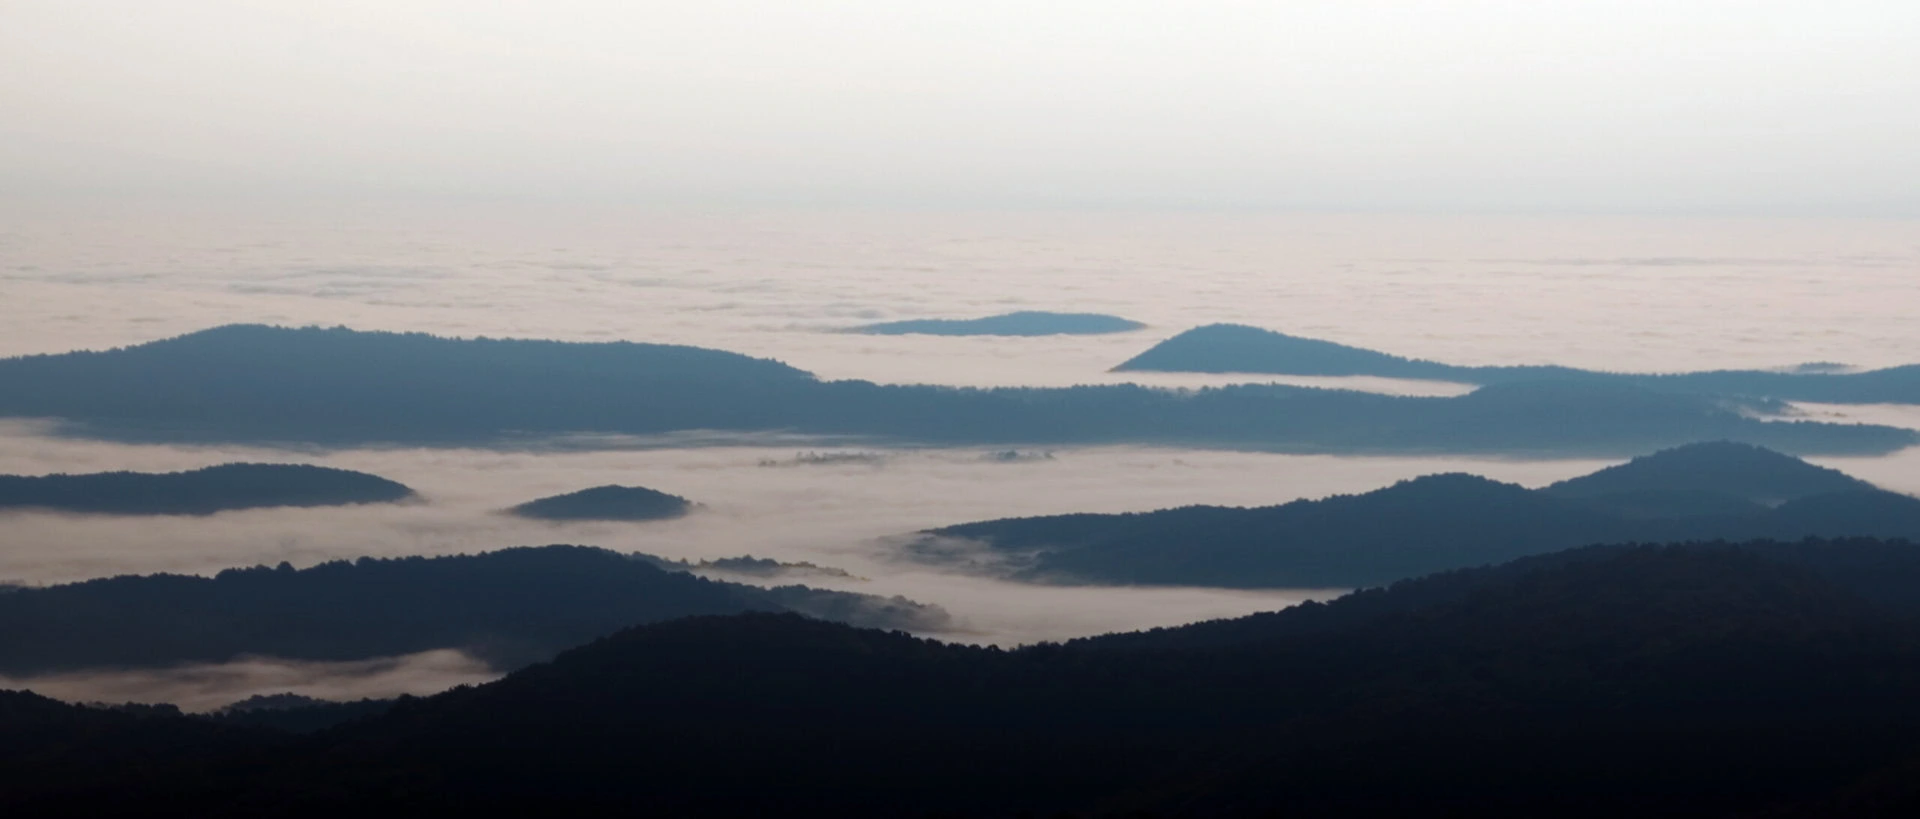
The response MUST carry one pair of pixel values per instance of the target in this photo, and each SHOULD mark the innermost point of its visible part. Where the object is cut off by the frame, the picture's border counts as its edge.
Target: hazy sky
(1692, 105)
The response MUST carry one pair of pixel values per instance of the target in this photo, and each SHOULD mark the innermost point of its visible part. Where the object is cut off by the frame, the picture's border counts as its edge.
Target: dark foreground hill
(340, 387)
(1023, 323)
(199, 491)
(606, 503)
(1438, 522)
(509, 607)
(1235, 348)
(1698, 681)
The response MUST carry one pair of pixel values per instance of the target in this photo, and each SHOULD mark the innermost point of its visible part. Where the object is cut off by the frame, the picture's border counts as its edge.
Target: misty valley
(1782, 674)
(1491, 600)
(864, 409)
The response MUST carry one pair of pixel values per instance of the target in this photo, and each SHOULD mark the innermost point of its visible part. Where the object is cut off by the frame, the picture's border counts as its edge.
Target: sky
(1706, 106)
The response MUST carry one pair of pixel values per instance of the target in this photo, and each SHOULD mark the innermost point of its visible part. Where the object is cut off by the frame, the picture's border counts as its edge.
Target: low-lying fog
(1615, 294)
(754, 500)
(758, 500)
(1603, 293)
(207, 687)
(1899, 471)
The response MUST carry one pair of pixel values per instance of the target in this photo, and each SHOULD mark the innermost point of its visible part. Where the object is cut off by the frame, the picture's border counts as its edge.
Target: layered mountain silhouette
(1023, 323)
(1237, 348)
(508, 607)
(1707, 680)
(341, 387)
(199, 491)
(758, 567)
(606, 503)
(1702, 491)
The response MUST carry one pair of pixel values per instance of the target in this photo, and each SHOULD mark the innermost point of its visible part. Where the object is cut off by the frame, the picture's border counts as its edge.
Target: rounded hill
(610, 502)
(1733, 469)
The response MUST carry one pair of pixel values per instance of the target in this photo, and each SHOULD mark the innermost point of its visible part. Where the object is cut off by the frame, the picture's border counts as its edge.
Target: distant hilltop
(199, 491)
(1748, 473)
(609, 502)
(1023, 323)
(1237, 348)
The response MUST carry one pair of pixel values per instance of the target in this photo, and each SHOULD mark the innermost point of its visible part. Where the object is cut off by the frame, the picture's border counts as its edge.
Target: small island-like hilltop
(610, 502)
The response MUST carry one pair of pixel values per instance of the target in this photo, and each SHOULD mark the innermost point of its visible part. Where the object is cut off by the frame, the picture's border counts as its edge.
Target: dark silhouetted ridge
(50, 750)
(341, 387)
(243, 382)
(1434, 523)
(1717, 680)
(199, 491)
(760, 567)
(510, 607)
(296, 714)
(1736, 470)
(1233, 348)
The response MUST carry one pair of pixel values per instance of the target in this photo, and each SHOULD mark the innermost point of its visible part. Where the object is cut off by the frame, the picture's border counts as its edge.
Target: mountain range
(339, 387)
(509, 608)
(1717, 490)
(1237, 348)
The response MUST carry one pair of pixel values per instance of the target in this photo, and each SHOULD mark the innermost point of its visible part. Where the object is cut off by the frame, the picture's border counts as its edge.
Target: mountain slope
(1741, 471)
(52, 751)
(1676, 681)
(510, 607)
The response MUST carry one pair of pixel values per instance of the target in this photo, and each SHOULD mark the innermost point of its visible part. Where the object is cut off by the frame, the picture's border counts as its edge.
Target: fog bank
(207, 687)
(832, 514)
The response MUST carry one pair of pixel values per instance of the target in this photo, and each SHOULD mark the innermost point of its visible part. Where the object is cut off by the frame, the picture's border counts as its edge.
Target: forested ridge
(341, 387)
(508, 607)
(202, 491)
(1236, 348)
(1694, 680)
(1715, 490)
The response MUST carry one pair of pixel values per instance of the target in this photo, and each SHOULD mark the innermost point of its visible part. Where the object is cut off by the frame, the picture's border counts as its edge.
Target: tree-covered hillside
(341, 387)
(1712, 680)
(1432, 523)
